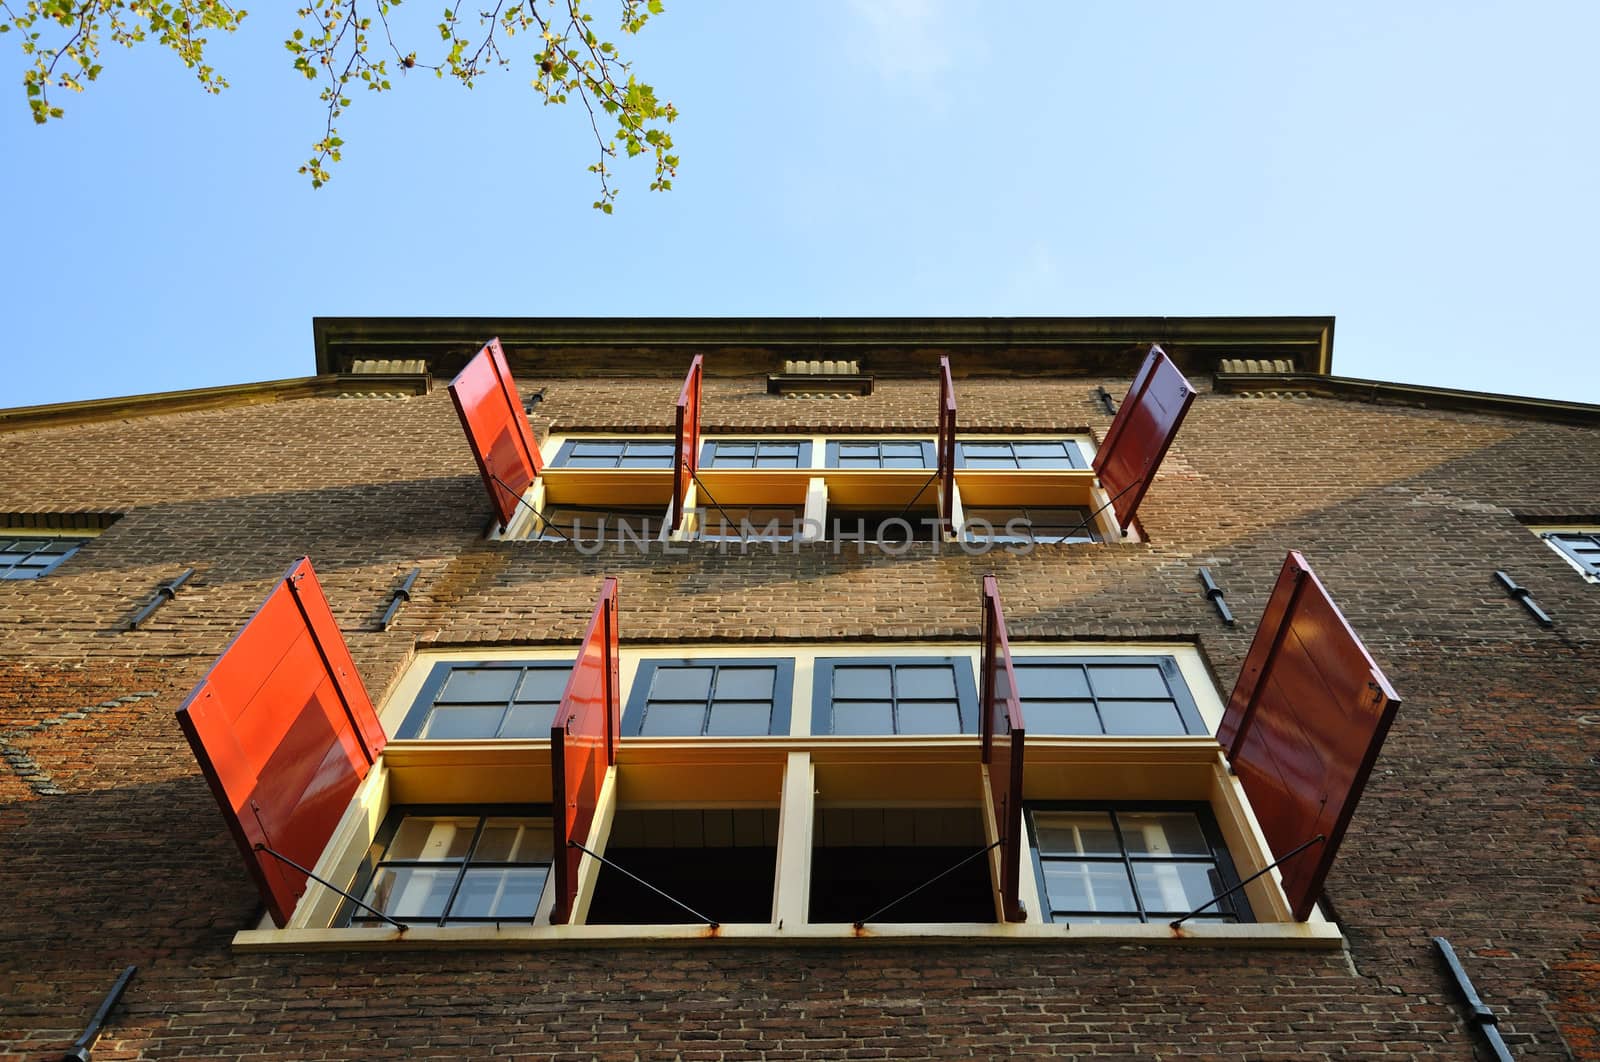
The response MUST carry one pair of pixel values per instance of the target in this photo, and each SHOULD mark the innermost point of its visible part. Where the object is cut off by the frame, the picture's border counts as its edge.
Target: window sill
(1288, 935)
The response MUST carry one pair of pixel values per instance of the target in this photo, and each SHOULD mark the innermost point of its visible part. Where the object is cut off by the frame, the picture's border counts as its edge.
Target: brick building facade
(1479, 823)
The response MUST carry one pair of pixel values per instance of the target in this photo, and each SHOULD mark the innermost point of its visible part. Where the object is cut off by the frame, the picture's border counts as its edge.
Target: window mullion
(461, 873)
(1127, 860)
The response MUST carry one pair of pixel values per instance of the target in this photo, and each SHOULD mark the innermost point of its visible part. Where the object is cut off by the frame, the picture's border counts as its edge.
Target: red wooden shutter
(1141, 432)
(284, 732)
(945, 449)
(686, 446)
(1003, 736)
(583, 743)
(497, 429)
(1304, 726)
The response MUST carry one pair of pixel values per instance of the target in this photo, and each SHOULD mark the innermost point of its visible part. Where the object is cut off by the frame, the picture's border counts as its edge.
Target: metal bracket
(402, 593)
(1480, 1016)
(167, 591)
(1106, 400)
(79, 1051)
(1214, 592)
(1524, 595)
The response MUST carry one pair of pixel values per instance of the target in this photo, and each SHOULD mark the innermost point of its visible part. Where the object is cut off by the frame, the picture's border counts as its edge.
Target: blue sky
(1425, 172)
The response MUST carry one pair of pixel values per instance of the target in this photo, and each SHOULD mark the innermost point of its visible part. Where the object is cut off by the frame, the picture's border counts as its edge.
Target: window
(920, 695)
(29, 558)
(1580, 548)
(590, 524)
(762, 523)
(614, 453)
(1020, 454)
(1039, 526)
(866, 857)
(450, 866)
(756, 453)
(880, 453)
(712, 698)
(1120, 695)
(888, 526)
(1131, 864)
(498, 699)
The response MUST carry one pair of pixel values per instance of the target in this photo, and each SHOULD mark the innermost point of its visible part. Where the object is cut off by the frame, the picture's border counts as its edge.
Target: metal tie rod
(712, 922)
(862, 922)
(1318, 839)
(79, 1051)
(1524, 595)
(330, 885)
(167, 591)
(1482, 1018)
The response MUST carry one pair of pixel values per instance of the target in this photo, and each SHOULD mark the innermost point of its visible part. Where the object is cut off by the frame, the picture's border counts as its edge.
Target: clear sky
(1426, 172)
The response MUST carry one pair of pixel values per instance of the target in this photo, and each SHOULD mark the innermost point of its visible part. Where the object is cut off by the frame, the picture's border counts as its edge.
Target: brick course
(1481, 822)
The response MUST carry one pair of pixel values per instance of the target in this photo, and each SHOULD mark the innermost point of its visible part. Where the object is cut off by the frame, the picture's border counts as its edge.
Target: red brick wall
(1480, 823)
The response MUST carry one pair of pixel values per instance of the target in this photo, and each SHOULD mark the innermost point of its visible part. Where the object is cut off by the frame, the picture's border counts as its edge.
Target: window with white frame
(1579, 546)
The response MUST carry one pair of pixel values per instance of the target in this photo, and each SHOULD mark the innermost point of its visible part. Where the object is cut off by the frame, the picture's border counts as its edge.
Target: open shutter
(583, 744)
(1141, 432)
(686, 447)
(284, 732)
(1003, 736)
(1304, 726)
(497, 428)
(945, 457)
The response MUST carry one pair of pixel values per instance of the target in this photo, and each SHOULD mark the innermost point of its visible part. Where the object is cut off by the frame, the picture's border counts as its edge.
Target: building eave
(1418, 396)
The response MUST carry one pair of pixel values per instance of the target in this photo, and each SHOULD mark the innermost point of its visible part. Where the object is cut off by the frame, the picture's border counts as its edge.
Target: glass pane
(60, 545)
(453, 724)
(778, 461)
(929, 717)
(864, 682)
(920, 682)
(411, 892)
(512, 893)
(596, 449)
(735, 450)
(543, 684)
(990, 462)
(18, 546)
(1075, 833)
(857, 449)
(734, 460)
(432, 838)
(860, 462)
(529, 721)
(650, 449)
(1128, 680)
(1061, 717)
(1175, 888)
(1141, 717)
(1161, 833)
(472, 685)
(1041, 450)
(673, 720)
(575, 461)
(976, 449)
(680, 684)
(745, 683)
(740, 718)
(648, 462)
(780, 449)
(1052, 682)
(902, 449)
(514, 840)
(863, 717)
(904, 462)
(1102, 920)
(1080, 886)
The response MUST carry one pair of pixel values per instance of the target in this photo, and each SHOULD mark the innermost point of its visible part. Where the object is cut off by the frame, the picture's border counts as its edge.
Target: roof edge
(61, 414)
(624, 344)
(1380, 392)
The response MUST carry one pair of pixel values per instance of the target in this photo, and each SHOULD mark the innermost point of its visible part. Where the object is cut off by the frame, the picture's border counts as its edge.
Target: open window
(719, 863)
(864, 859)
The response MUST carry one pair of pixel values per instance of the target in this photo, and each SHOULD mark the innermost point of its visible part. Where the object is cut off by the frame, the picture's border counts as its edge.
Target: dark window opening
(29, 558)
(871, 696)
(880, 453)
(864, 858)
(1120, 695)
(1129, 864)
(756, 453)
(710, 697)
(488, 699)
(454, 866)
(750, 523)
(614, 453)
(720, 861)
(590, 524)
(1039, 526)
(885, 526)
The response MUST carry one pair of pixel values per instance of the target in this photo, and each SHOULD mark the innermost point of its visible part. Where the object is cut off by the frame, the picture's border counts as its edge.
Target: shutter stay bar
(530, 507)
(696, 477)
(862, 923)
(167, 591)
(401, 593)
(79, 1051)
(1318, 839)
(712, 922)
(1481, 1017)
(328, 884)
(1084, 523)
